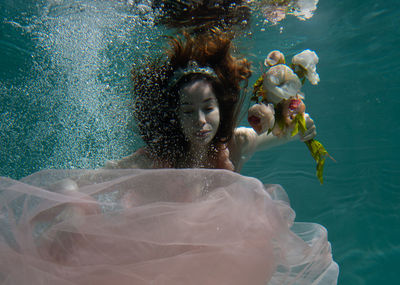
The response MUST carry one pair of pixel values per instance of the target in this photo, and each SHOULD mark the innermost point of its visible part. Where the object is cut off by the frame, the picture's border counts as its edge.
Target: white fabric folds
(190, 226)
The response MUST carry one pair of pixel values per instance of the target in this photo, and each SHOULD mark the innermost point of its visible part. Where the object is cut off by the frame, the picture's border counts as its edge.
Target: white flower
(280, 82)
(307, 60)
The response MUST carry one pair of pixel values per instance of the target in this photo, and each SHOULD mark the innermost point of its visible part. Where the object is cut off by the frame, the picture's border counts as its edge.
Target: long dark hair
(156, 103)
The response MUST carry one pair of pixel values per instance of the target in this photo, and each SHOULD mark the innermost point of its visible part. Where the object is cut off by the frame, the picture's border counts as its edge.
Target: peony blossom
(306, 62)
(287, 120)
(291, 108)
(279, 83)
(261, 117)
(275, 57)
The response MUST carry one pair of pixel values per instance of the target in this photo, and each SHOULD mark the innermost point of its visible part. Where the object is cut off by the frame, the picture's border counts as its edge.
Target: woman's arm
(246, 141)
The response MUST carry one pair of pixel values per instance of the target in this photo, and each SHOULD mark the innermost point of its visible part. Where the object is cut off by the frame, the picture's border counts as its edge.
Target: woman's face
(199, 112)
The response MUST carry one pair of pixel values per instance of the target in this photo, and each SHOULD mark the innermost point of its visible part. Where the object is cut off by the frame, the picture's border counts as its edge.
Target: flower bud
(273, 58)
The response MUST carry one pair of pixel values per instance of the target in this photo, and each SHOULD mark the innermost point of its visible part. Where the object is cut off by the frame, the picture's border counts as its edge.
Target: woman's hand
(311, 131)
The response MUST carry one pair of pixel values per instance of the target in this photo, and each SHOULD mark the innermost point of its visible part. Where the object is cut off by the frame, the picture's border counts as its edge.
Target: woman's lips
(202, 133)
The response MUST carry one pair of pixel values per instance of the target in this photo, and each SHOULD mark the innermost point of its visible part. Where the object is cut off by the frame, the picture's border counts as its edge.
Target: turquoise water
(64, 83)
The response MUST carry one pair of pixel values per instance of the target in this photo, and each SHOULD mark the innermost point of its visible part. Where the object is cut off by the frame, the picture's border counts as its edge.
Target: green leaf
(295, 127)
(258, 84)
(319, 154)
(299, 124)
(258, 90)
(320, 170)
(302, 123)
(254, 98)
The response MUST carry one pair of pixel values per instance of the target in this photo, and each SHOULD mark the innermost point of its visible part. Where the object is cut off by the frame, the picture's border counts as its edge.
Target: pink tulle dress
(160, 226)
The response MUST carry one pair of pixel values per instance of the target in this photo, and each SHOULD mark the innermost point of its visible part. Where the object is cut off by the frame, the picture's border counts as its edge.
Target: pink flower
(261, 117)
(291, 108)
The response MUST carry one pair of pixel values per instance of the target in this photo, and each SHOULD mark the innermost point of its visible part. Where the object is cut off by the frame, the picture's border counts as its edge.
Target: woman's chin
(202, 140)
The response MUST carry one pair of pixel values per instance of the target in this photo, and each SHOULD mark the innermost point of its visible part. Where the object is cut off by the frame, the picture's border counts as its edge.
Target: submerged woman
(166, 226)
(187, 109)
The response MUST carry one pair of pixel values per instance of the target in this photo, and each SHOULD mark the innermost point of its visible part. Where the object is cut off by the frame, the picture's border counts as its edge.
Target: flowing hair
(156, 103)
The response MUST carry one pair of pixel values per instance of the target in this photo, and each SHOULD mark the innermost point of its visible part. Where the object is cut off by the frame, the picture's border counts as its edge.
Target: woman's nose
(201, 118)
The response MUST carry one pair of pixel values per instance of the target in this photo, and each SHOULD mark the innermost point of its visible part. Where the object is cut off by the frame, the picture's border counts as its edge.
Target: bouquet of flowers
(280, 107)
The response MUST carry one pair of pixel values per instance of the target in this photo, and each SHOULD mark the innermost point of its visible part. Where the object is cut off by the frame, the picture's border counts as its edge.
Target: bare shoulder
(138, 159)
(244, 139)
(242, 145)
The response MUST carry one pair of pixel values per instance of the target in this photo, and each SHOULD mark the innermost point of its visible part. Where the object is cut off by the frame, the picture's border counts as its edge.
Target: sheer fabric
(166, 226)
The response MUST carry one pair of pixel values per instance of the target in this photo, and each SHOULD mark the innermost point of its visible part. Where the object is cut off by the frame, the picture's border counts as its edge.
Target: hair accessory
(192, 67)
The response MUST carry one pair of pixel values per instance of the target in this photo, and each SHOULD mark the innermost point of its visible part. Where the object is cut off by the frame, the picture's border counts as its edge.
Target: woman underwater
(173, 212)
(187, 109)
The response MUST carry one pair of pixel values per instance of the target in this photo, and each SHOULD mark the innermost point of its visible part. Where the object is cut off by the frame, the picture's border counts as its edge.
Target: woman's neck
(197, 157)
(217, 159)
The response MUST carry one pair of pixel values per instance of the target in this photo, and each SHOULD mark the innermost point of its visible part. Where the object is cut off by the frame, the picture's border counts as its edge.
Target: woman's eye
(209, 109)
(187, 112)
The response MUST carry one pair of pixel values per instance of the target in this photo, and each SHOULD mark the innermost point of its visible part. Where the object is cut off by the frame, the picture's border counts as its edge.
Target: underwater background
(65, 103)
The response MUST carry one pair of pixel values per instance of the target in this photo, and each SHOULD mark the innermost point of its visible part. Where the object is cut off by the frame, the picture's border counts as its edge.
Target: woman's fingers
(311, 131)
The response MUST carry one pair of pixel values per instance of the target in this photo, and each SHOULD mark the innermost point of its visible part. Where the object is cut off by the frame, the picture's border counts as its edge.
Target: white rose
(307, 60)
(280, 82)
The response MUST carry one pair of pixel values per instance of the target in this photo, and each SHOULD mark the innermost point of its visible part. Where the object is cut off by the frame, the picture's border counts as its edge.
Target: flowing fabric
(166, 226)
